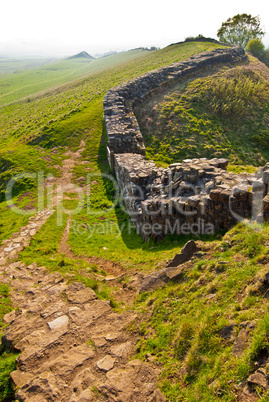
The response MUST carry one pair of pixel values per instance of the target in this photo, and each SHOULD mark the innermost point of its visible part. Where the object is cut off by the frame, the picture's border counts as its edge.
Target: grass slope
(13, 65)
(224, 114)
(7, 359)
(184, 329)
(68, 114)
(86, 122)
(180, 325)
(24, 83)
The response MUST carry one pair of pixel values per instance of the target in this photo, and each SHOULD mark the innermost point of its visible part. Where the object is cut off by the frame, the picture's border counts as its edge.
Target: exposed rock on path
(72, 344)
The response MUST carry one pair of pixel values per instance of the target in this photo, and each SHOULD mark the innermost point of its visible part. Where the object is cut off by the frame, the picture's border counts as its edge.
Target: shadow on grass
(104, 167)
(134, 241)
(128, 232)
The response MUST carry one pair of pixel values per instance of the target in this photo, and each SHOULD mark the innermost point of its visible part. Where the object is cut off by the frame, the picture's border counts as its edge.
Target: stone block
(215, 194)
(266, 203)
(265, 177)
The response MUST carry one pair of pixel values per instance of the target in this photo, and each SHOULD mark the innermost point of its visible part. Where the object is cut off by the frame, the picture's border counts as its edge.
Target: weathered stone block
(215, 194)
(266, 203)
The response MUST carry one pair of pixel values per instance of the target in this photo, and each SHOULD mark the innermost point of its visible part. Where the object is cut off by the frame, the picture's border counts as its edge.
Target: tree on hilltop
(240, 30)
(256, 48)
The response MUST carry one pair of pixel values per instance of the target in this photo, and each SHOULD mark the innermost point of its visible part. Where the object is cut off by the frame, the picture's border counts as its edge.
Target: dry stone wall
(123, 131)
(193, 196)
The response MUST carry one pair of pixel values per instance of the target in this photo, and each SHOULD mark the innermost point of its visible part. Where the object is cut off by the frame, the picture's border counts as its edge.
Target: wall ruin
(194, 196)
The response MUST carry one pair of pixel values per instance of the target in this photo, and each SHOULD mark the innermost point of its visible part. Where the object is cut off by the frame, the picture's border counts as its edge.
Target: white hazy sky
(64, 27)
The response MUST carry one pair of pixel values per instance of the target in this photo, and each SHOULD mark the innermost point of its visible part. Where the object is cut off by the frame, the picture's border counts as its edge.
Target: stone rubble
(20, 240)
(186, 253)
(241, 343)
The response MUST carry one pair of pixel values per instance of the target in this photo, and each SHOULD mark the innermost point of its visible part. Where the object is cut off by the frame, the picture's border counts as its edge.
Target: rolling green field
(61, 117)
(21, 82)
(14, 65)
(179, 325)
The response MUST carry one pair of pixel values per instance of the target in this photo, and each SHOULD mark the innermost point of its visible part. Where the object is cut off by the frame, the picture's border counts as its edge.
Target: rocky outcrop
(173, 272)
(186, 253)
(158, 279)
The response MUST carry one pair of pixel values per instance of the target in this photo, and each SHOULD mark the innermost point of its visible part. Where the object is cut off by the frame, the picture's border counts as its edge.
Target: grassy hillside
(185, 331)
(224, 113)
(22, 83)
(180, 326)
(12, 65)
(7, 360)
(61, 117)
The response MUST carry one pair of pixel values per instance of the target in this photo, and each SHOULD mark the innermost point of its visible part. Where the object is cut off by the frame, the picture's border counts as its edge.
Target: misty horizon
(61, 29)
(41, 50)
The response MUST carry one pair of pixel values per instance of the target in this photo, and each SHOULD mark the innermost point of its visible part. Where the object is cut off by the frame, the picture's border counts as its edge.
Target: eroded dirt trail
(111, 268)
(73, 346)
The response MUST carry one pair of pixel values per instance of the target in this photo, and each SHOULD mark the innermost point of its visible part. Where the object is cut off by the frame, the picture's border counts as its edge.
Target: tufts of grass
(7, 365)
(222, 115)
(183, 340)
(184, 327)
(7, 359)
(5, 302)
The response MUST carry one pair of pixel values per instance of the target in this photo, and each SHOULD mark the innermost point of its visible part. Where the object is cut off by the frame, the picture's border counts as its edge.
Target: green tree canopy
(240, 29)
(256, 48)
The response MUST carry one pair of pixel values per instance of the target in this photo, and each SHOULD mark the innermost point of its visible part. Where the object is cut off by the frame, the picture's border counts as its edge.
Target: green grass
(7, 359)
(25, 82)
(184, 320)
(241, 168)
(44, 251)
(184, 329)
(5, 302)
(66, 114)
(14, 65)
(10, 221)
(222, 115)
(24, 159)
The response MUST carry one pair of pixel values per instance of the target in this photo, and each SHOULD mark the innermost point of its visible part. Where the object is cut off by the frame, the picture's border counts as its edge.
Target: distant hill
(81, 55)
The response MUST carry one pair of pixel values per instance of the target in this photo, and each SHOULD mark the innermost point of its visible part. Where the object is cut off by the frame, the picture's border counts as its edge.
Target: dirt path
(114, 273)
(73, 346)
(109, 267)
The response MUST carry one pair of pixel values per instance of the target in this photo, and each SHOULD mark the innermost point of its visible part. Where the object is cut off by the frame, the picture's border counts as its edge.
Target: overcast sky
(64, 27)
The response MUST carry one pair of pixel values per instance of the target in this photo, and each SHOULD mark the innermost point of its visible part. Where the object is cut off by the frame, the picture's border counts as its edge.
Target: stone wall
(194, 196)
(122, 128)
